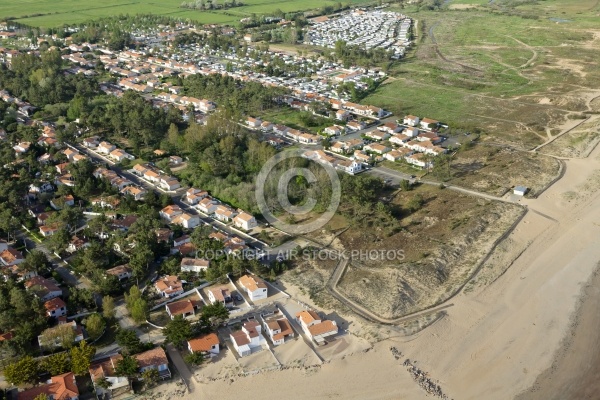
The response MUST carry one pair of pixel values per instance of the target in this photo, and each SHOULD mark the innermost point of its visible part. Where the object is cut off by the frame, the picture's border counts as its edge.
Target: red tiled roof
(204, 343)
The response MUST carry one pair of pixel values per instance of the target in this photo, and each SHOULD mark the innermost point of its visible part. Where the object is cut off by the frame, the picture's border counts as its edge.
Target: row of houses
(124, 185)
(210, 206)
(108, 149)
(350, 166)
(105, 369)
(156, 177)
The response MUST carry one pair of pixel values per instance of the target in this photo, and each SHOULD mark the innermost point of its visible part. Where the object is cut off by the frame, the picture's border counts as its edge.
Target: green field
(51, 13)
(513, 71)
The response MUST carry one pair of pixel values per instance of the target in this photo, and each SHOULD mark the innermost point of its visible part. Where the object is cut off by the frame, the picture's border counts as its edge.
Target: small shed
(520, 190)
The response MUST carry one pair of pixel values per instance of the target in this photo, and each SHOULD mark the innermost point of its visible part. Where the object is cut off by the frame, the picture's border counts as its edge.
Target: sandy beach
(531, 334)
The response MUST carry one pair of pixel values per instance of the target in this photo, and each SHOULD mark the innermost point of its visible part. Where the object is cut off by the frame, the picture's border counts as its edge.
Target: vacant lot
(442, 243)
(579, 142)
(495, 169)
(51, 13)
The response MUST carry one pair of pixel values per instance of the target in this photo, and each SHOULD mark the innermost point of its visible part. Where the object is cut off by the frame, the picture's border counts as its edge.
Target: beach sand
(532, 333)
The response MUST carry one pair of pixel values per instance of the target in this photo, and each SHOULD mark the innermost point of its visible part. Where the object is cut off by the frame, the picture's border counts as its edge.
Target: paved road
(58, 265)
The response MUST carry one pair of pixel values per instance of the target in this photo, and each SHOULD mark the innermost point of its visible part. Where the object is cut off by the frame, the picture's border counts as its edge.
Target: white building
(254, 286)
(245, 221)
(249, 338)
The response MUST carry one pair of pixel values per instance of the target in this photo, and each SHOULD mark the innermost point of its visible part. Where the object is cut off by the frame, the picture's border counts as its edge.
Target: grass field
(51, 13)
(513, 71)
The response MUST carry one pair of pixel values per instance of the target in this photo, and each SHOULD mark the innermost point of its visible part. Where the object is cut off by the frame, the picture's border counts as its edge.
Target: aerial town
(154, 169)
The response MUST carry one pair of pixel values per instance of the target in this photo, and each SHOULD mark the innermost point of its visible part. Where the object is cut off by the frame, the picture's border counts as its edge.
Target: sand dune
(496, 340)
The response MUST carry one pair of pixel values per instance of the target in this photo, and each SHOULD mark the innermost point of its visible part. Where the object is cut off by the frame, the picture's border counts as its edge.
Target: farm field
(47, 13)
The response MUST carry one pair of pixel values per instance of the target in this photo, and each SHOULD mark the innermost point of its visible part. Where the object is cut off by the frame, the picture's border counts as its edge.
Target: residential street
(176, 196)
(58, 265)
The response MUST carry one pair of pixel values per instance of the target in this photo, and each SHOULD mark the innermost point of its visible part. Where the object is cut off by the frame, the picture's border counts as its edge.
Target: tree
(213, 315)
(81, 357)
(35, 260)
(139, 311)
(61, 335)
(127, 366)
(58, 242)
(23, 371)
(178, 331)
(405, 185)
(56, 364)
(102, 382)
(42, 396)
(150, 377)
(129, 341)
(195, 358)
(95, 325)
(108, 307)
(137, 305)
(415, 203)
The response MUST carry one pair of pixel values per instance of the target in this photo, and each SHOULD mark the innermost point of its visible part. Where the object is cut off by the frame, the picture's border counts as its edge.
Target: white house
(342, 115)
(56, 307)
(411, 120)
(220, 295)
(43, 288)
(169, 183)
(349, 166)
(335, 130)
(154, 359)
(51, 339)
(253, 122)
(120, 155)
(254, 286)
(185, 308)
(169, 286)
(208, 205)
(225, 213)
(315, 327)
(188, 221)
(376, 148)
(137, 193)
(429, 124)
(194, 264)
(208, 345)
(377, 135)
(105, 369)
(194, 196)
(245, 221)
(418, 159)
(277, 327)
(170, 212)
(105, 147)
(247, 339)
(121, 272)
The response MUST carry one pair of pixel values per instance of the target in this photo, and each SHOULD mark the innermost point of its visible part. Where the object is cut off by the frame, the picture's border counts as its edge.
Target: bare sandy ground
(529, 333)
